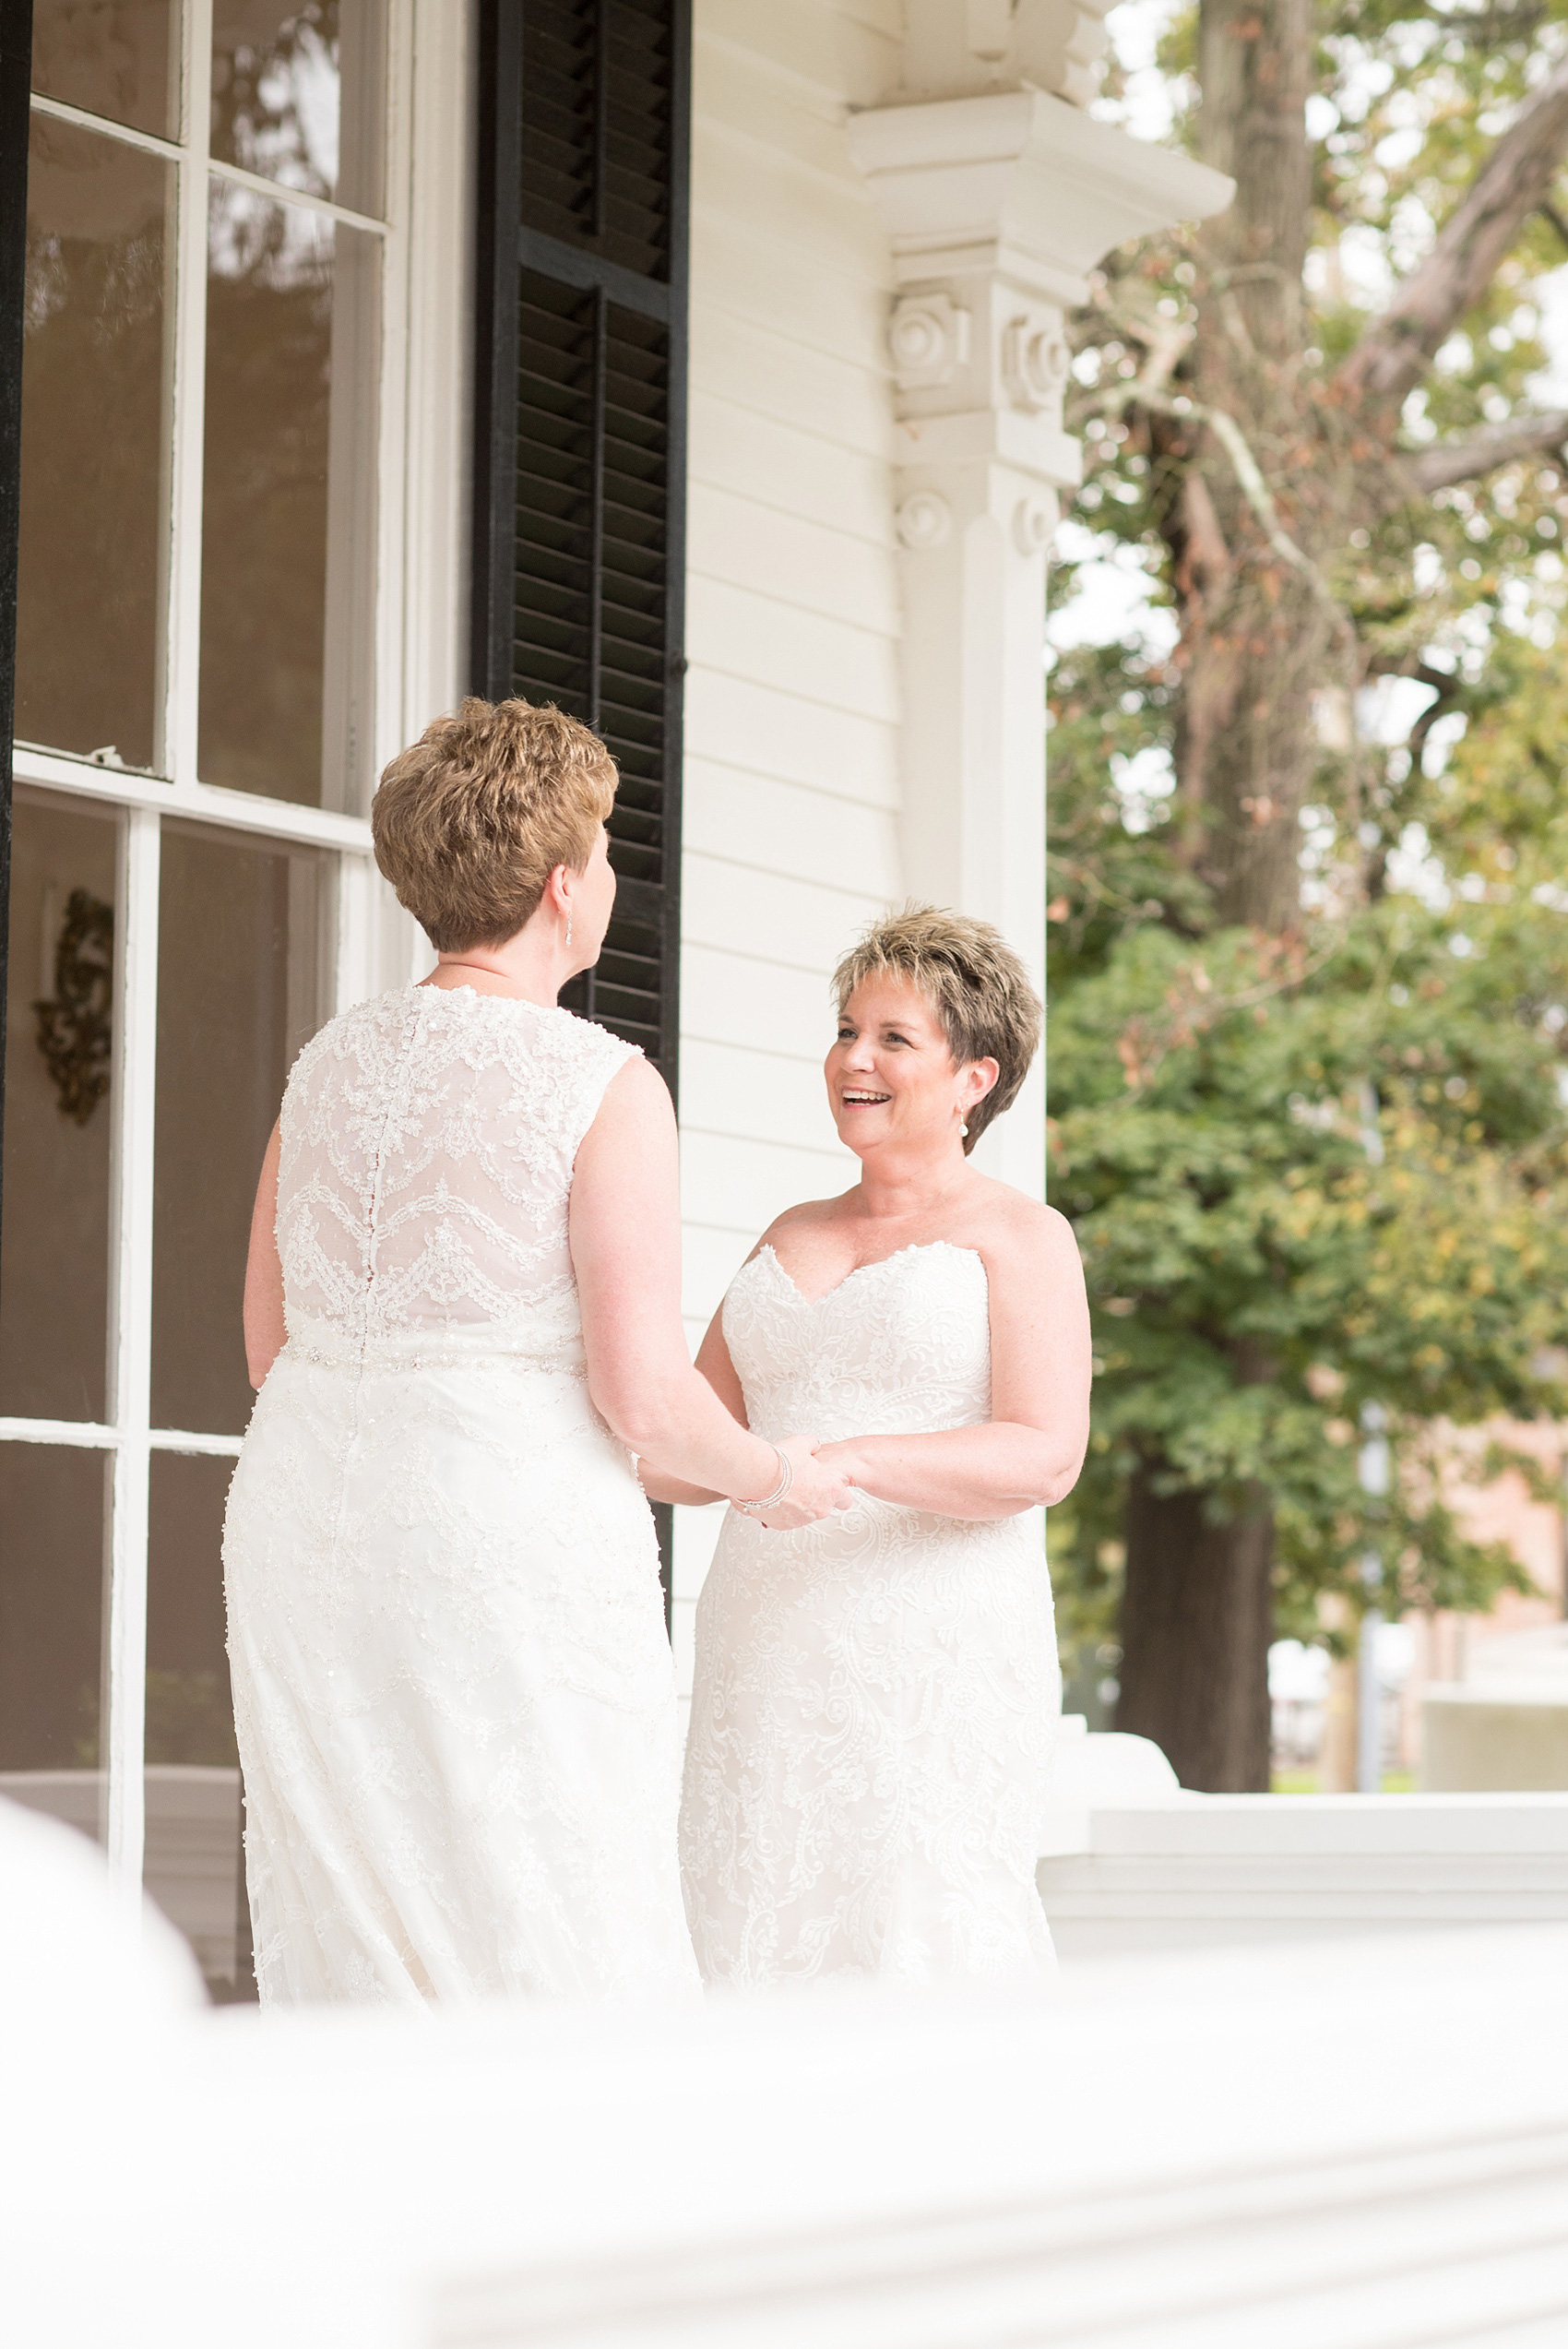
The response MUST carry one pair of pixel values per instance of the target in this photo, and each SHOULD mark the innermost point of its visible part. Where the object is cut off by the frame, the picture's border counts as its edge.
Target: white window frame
(420, 626)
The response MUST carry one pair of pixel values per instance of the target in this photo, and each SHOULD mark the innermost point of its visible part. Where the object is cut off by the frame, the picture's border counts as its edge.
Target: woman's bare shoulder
(802, 1221)
(1009, 1226)
(637, 1094)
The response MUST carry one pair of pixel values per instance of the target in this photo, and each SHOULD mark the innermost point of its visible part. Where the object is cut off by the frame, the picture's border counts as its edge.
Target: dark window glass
(297, 94)
(54, 1264)
(117, 58)
(288, 501)
(52, 1580)
(95, 436)
(193, 1866)
(244, 962)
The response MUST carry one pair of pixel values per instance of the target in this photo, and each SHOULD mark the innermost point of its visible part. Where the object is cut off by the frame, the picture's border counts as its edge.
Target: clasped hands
(818, 1489)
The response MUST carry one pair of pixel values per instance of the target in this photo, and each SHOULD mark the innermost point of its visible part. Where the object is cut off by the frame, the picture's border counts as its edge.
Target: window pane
(117, 58)
(243, 961)
(193, 1866)
(296, 94)
(54, 1266)
(52, 1514)
(93, 444)
(289, 517)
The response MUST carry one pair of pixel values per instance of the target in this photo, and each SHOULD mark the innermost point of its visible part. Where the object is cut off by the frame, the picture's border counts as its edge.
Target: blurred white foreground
(1353, 2144)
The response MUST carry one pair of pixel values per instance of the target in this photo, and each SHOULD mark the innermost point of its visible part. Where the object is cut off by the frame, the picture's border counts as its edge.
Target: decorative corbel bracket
(1021, 180)
(997, 208)
(997, 205)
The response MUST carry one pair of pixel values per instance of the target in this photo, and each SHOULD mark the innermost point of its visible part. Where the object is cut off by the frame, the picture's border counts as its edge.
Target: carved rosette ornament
(928, 340)
(924, 520)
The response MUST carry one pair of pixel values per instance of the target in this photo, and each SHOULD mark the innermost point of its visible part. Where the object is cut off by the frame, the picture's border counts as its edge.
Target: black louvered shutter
(580, 439)
(580, 431)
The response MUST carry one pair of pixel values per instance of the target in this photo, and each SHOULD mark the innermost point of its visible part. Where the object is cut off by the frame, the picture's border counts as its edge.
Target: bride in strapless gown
(876, 1696)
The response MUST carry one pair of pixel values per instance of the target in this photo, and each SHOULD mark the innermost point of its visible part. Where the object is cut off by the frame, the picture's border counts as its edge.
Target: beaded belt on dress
(372, 1357)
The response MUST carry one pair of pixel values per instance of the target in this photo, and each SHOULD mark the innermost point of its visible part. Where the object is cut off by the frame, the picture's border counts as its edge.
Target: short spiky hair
(974, 983)
(471, 820)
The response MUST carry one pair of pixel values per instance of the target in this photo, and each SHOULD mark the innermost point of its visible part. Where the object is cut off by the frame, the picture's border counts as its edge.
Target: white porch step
(1199, 1870)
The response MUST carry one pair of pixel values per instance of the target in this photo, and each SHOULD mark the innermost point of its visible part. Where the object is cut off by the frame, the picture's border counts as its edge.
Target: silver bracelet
(771, 1500)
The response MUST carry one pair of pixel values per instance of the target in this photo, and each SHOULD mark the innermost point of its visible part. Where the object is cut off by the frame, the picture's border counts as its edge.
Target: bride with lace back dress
(876, 1695)
(452, 1685)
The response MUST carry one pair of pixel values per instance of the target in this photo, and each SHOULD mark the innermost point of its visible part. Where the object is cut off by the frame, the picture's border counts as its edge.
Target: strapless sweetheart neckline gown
(876, 1696)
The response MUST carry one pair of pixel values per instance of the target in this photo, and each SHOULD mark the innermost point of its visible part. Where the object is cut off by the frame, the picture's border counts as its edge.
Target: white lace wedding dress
(452, 1685)
(876, 1696)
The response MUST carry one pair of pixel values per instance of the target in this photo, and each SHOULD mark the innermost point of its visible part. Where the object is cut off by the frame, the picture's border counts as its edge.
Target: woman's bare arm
(714, 1362)
(265, 1326)
(1032, 1447)
(625, 1241)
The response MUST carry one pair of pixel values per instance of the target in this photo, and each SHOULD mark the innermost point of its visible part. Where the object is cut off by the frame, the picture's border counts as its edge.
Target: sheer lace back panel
(453, 1692)
(428, 1141)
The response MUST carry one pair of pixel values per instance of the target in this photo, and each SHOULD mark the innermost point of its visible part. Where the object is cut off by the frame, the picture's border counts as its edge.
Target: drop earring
(568, 929)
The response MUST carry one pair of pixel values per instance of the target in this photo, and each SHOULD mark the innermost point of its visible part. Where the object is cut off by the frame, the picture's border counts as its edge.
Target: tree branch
(1445, 462)
(1514, 182)
(1144, 392)
(1554, 221)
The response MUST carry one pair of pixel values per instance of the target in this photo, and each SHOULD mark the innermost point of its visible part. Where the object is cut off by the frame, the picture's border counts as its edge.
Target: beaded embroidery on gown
(453, 1692)
(876, 1696)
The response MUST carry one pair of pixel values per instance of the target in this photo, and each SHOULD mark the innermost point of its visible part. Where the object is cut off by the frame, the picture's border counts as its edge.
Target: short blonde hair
(972, 979)
(471, 820)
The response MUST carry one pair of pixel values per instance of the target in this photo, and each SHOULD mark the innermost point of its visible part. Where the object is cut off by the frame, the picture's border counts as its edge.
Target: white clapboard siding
(730, 1185)
(759, 730)
(763, 278)
(795, 198)
(798, 468)
(764, 370)
(713, 1258)
(738, 999)
(790, 838)
(752, 1095)
(749, 909)
(739, 78)
(824, 46)
(783, 642)
(832, 573)
(781, 826)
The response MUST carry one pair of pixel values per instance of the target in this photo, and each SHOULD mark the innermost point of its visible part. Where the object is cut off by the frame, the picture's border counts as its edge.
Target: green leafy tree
(1310, 988)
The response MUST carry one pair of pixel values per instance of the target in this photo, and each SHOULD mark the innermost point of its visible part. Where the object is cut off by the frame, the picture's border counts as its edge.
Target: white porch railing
(1360, 2145)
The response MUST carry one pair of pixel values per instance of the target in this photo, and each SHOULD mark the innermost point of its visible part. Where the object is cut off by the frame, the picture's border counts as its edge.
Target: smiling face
(892, 1080)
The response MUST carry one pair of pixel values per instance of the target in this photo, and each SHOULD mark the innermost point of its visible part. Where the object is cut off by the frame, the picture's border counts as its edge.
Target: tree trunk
(1196, 1622)
(1258, 638)
(1255, 632)
(1256, 643)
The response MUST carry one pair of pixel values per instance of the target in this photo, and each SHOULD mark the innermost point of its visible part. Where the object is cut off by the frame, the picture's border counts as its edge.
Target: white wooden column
(998, 203)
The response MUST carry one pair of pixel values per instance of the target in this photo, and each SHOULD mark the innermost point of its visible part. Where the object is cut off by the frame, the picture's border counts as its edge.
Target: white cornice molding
(1023, 182)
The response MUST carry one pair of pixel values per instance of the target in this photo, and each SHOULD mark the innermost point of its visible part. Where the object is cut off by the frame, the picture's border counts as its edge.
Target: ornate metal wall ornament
(75, 1031)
